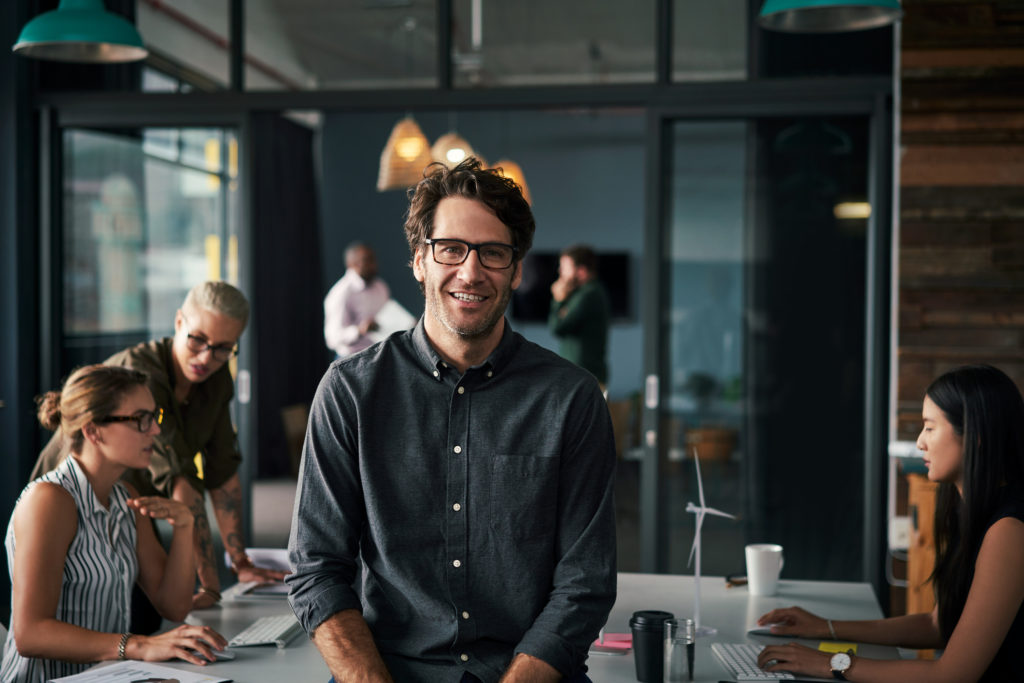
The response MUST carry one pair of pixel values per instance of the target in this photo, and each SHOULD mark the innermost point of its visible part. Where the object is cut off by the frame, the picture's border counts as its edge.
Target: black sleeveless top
(1006, 665)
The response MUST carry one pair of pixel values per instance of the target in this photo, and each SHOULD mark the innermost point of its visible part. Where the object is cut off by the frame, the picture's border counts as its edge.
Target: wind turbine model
(700, 511)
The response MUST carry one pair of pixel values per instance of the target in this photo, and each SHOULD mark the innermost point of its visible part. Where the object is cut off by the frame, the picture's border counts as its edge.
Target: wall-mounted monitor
(532, 301)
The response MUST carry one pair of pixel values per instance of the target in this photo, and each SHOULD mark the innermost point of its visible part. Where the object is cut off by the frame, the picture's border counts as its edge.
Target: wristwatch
(840, 663)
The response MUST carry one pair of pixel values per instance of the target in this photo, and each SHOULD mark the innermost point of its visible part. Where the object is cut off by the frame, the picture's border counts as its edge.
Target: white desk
(730, 610)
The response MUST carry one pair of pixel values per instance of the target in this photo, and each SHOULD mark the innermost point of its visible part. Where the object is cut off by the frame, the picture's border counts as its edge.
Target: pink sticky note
(616, 641)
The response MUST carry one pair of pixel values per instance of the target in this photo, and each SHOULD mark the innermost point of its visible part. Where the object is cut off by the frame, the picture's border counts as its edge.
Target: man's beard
(435, 306)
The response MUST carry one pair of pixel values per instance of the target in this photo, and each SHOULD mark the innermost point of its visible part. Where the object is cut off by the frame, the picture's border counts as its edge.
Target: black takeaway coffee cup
(648, 627)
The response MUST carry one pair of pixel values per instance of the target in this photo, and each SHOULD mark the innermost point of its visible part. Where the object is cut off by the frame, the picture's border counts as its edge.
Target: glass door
(762, 370)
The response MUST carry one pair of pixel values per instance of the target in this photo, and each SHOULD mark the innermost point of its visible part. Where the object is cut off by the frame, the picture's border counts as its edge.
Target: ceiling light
(405, 155)
(511, 170)
(827, 16)
(852, 210)
(450, 149)
(81, 31)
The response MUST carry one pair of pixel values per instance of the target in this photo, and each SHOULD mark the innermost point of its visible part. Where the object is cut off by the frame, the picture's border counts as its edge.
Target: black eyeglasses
(197, 345)
(143, 419)
(493, 255)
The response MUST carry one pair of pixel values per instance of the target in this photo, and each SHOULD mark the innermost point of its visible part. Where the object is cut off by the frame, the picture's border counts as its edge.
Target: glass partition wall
(765, 329)
(754, 302)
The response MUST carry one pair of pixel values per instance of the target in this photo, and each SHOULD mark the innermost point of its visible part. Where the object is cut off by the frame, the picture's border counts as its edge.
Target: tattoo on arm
(206, 566)
(227, 504)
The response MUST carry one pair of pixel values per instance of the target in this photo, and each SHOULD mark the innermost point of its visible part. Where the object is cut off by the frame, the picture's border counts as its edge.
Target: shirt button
(456, 563)
(462, 390)
(465, 615)
(436, 373)
(457, 449)
(456, 507)
(464, 657)
(490, 373)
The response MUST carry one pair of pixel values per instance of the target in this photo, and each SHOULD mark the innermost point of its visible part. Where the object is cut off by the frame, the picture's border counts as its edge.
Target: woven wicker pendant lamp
(405, 155)
(450, 149)
(513, 172)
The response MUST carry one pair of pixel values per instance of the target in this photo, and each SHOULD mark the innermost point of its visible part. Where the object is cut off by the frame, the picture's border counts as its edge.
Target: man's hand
(562, 288)
(527, 669)
(367, 326)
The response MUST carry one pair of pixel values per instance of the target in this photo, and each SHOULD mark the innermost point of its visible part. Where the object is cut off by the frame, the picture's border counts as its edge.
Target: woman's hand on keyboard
(794, 621)
(797, 659)
(178, 643)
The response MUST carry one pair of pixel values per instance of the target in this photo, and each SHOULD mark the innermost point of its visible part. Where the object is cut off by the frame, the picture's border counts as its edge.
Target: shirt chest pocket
(523, 500)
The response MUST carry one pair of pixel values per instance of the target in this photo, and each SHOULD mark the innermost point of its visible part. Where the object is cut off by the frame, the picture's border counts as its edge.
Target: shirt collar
(437, 366)
(91, 504)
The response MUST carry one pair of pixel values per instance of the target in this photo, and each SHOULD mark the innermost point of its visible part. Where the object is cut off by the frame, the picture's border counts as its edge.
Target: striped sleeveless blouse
(100, 570)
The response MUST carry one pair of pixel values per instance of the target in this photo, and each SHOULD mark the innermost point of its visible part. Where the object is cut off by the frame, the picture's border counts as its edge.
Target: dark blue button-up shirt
(480, 505)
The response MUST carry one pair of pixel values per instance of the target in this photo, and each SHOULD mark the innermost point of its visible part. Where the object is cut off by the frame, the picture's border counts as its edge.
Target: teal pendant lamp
(81, 31)
(827, 16)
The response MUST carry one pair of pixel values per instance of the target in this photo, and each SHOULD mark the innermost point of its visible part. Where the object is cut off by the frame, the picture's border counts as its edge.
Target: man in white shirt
(353, 302)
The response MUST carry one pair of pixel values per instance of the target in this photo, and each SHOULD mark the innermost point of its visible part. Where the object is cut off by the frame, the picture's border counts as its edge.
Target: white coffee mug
(764, 564)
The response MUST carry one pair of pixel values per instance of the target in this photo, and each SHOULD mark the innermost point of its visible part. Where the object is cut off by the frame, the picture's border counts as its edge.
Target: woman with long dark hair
(973, 445)
(77, 542)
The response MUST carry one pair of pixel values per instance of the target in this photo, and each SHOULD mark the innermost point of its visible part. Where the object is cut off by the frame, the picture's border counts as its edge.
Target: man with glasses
(197, 449)
(464, 471)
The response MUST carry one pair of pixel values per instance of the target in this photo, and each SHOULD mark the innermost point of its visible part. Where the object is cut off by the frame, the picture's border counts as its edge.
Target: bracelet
(832, 629)
(120, 646)
(210, 591)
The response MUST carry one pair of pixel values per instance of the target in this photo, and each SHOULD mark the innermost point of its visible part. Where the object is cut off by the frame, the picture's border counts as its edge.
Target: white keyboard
(740, 660)
(278, 630)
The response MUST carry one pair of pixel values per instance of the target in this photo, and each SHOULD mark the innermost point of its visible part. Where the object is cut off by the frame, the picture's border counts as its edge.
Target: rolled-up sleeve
(329, 513)
(584, 580)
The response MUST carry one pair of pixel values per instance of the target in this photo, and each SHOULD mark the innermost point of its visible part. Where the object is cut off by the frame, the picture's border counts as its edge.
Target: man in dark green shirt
(580, 312)
(196, 450)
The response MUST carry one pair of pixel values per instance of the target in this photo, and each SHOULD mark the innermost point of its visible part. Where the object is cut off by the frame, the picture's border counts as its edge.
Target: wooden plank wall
(961, 281)
(961, 262)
